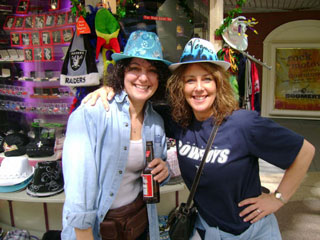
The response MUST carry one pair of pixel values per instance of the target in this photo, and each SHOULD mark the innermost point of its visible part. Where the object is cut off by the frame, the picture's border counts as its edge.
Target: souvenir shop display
(30, 89)
(31, 63)
(46, 49)
(47, 67)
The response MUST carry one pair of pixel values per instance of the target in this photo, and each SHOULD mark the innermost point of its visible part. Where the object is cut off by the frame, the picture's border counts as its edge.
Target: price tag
(82, 26)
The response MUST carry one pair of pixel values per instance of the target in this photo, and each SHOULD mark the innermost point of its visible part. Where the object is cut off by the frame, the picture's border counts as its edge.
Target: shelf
(22, 196)
(11, 61)
(33, 161)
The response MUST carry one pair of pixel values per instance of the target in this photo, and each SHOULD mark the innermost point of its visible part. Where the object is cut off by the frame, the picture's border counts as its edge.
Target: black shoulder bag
(181, 221)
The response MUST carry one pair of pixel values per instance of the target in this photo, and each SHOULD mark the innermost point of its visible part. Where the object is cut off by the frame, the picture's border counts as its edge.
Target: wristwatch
(278, 196)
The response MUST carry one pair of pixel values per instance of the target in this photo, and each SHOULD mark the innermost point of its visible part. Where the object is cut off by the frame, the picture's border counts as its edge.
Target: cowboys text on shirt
(215, 155)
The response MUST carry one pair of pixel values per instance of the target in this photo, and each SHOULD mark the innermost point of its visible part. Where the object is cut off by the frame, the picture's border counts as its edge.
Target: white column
(215, 20)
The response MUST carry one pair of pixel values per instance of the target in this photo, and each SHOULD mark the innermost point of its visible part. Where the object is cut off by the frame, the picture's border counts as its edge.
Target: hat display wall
(15, 170)
(47, 179)
(199, 50)
(142, 44)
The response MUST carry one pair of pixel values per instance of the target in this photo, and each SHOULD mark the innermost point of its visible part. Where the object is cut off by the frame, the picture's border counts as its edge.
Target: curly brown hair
(115, 78)
(224, 104)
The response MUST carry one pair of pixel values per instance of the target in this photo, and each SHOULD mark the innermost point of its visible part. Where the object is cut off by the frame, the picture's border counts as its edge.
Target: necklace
(136, 126)
(136, 130)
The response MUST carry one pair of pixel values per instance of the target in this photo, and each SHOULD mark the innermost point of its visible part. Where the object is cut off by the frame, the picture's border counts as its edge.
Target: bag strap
(197, 177)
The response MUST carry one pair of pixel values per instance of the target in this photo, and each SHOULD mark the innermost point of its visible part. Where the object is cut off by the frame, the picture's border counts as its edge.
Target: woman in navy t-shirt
(228, 197)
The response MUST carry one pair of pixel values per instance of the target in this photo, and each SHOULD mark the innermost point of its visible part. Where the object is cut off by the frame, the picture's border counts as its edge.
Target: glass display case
(35, 36)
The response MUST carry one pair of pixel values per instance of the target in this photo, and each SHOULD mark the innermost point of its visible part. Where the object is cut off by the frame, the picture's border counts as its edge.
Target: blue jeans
(266, 228)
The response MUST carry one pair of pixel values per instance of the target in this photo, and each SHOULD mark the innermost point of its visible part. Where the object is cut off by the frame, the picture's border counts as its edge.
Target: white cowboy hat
(15, 170)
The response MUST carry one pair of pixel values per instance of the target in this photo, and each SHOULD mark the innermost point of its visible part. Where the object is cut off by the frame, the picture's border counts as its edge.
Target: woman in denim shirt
(104, 152)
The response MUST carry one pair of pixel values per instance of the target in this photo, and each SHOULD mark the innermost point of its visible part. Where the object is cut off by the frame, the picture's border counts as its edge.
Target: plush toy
(107, 30)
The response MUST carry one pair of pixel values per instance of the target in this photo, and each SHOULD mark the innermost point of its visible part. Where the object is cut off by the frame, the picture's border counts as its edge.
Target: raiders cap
(79, 66)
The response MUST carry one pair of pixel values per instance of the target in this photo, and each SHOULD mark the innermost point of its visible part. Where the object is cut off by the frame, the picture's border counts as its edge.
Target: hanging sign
(156, 18)
(82, 26)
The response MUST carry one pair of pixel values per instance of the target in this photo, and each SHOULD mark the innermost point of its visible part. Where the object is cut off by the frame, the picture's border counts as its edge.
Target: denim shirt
(95, 154)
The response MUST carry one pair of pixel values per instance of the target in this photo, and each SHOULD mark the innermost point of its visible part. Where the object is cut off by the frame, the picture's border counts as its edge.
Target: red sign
(155, 18)
(82, 26)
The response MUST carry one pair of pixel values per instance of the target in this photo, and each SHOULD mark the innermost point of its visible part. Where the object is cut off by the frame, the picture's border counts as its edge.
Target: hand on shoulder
(105, 93)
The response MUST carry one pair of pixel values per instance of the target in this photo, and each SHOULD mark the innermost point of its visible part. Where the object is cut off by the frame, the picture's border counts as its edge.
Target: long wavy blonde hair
(224, 104)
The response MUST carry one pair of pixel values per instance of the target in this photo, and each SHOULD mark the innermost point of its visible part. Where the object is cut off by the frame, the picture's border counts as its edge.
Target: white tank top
(131, 184)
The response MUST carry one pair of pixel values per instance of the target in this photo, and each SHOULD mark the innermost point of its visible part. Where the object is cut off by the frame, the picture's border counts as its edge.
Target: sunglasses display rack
(9, 90)
(36, 108)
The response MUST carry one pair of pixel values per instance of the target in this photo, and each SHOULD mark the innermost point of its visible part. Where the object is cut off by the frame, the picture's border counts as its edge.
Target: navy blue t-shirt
(231, 172)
